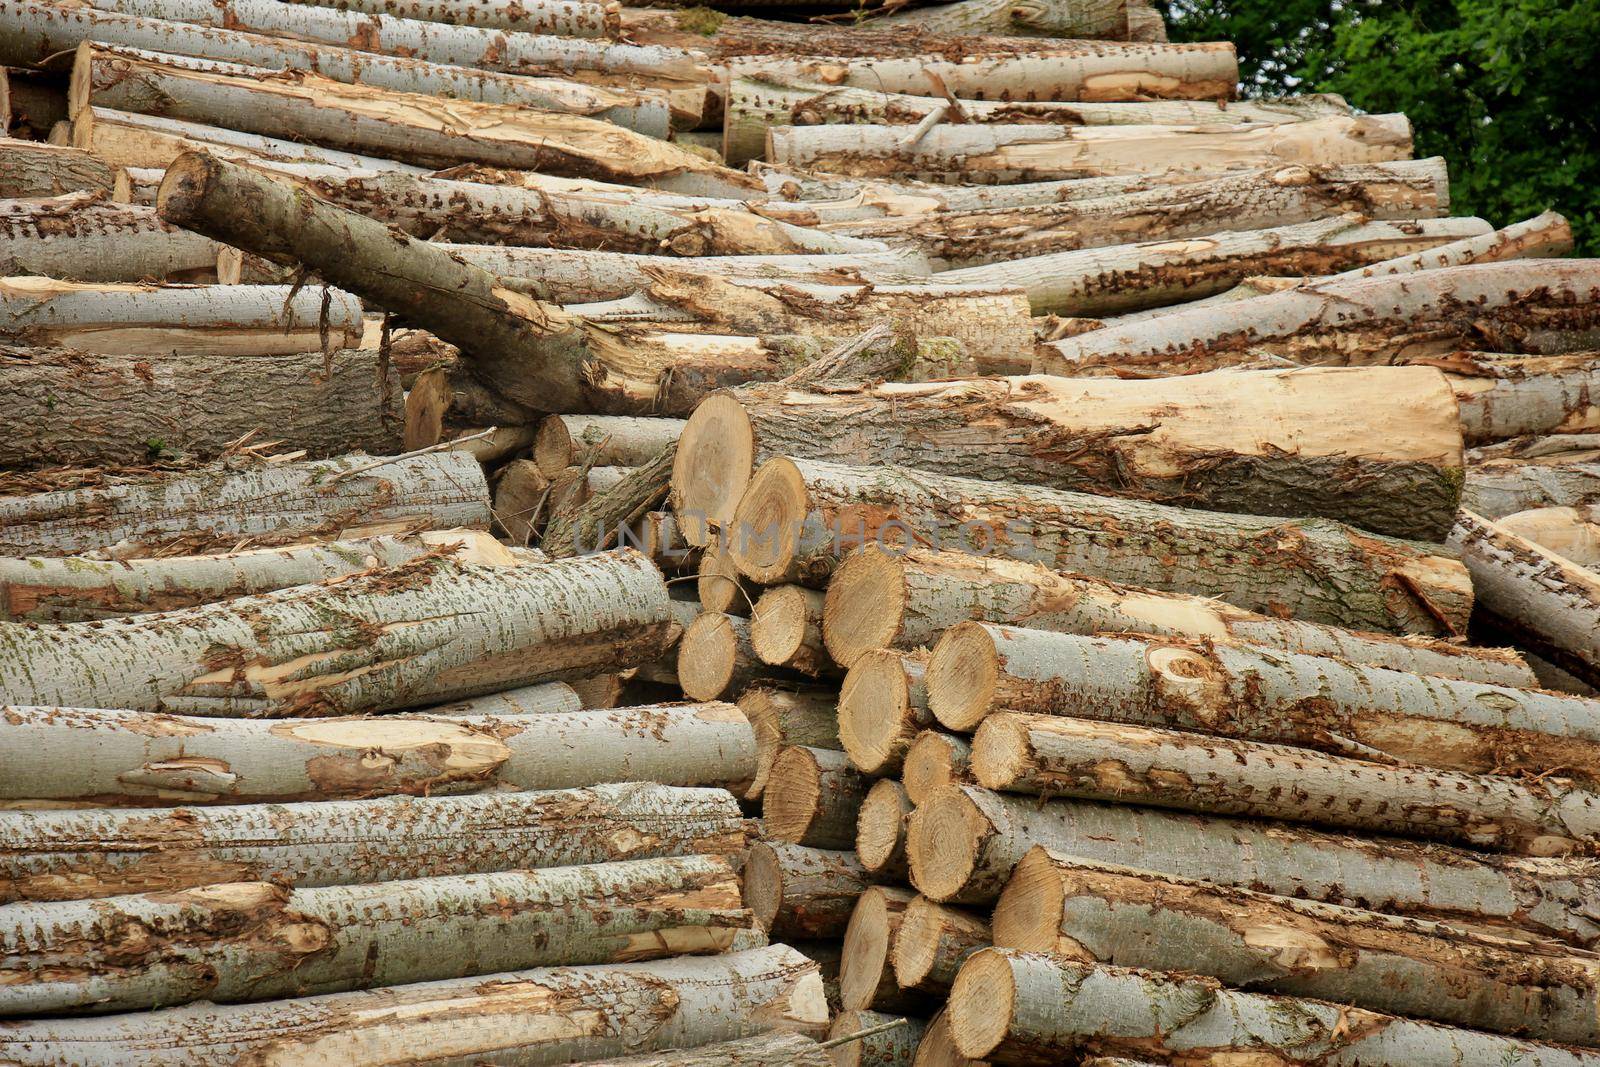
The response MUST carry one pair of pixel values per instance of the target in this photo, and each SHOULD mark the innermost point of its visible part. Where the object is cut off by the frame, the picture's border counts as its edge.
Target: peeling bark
(28, 168)
(132, 141)
(799, 892)
(812, 798)
(1502, 487)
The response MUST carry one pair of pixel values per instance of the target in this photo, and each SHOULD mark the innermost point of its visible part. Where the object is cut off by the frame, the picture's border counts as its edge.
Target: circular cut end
(758, 708)
(866, 951)
(865, 606)
(707, 654)
(982, 1003)
(937, 1048)
(943, 839)
(916, 944)
(552, 446)
(764, 533)
(763, 884)
(962, 676)
(999, 751)
(791, 800)
(718, 583)
(929, 765)
(778, 624)
(1027, 916)
(875, 721)
(881, 825)
(845, 1023)
(182, 189)
(716, 453)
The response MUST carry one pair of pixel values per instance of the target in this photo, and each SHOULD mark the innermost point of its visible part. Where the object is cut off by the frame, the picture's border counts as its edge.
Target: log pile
(895, 534)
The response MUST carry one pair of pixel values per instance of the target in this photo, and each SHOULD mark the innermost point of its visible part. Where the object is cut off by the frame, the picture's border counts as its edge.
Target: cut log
(935, 760)
(866, 978)
(1542, 237)
(546, 698)
(1525, 305)
(1250, 693)
(720, 586)
(1116, 20)
(560, 18)
(1257, 443)
(826, 955)
(881, 831)
(799, 892)
(880, 600)
(258, 941)
(77, 238)
(28, 168)
(134, 141)
(429, 631)
(1033, 1008)
(1131, 277)
(521, 496)
(883, 705)
(217, 509)
(764, 1050)
(1509, 396)
(1075, 757)
(812, 798)
(144, 320)
(938, 1049)
(1571, 533)
(541, 1016)
(68, 855)
(782, 717)
(1542, 599)
(932, 943)
(1099, 913)
(604, 440)
(715, 658)
(1499, 488)
(889, 1041)
(786, 631)
(799, 517)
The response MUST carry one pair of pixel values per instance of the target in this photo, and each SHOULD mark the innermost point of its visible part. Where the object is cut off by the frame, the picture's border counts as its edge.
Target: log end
(707, 656)
(763, 884)
(1028, 914)
(881, 826)
(778, 624)
(764, 534)
(934, 761)
(716, 454)
(865, 605)
(943, 839)
(1000, 751)
(867, 941)
(758, 706)
(184, 187)
(962, 676)
(718, 585)
(793, 797)
(876, 722)
(982, 1003)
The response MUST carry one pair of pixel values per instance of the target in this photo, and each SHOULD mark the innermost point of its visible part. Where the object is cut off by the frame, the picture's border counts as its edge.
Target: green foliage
(1505, 90)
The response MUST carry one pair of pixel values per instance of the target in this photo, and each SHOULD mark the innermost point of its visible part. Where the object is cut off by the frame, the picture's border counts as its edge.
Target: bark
(134, 141)
(1545, 236)
(799, 892)
(529, 1017)
(935, 760)
(74, 237)
(1119, 278)
(881, 833)
(118, 319)
(892, 1047)
(604, 440)
(1503, 396)
(546, 698)
(221, 508)
(101, 852)
(883, 705)
(1571, 533)
(783, 717)
(794, 519)
(720, 586)
(932, 943)
(560, 18)
(1113, 20)
(715, 658)
(764, 1050)
(258, 941)
(1499, 488)
(1539, 597)
(1097, 913)
(28, 168)
(992, 154)
(1525, 305)
(866, 979)
(386, 639)
(1028, 1008)
(880, 600)
(812, 798)
(1259, 444)
(786, 631)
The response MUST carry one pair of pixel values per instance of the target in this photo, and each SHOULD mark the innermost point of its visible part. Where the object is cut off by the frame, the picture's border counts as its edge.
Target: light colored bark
(881, 833)
(100, 852)
(800, 892)
(605, 440)
(883, 705)
(799, 517)
(1498, 488)
(764, 1050)
(812, 798)
(932, 943)
(892, 1047)
(782, 717)
(529, 1017)
(1571, 533)
(560, 18)
(258, 941)
(1545, 236)
(28, 168)
(77, 238)
(546, 698)
(786, 631)
(1503, 396)
(934, 760)
(866, 978)
(1113, 20)
(128, 140)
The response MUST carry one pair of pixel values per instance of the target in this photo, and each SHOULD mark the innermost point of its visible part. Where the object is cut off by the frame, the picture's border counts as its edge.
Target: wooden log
(799, 517)
(217, 509)
(1076, 757)
(812, 798)
(826, 956)
(715, 657)
(560, 18)
(101, 852)
(719, 584)
(1542, 237)
(782, 717)
(258, 941)
(29, 168)
(763, 1050)
(127, 140)
(890, 1040)
(880, 600)
(1525, 305)
(932, 943)
(521, 495)
(938, 1048)
(1571, 533)
(934, 760)
(77, 238)
(799, 892)
(542, 1016)
(1099, 913)
(786, 631)
(604, 440)
(1117, 20)
(1257, 443)
(1502, 396)
(546, 698)
(1498, 488)
(866, 977)
(881, 832)
(883, 705)
(1034, 1008)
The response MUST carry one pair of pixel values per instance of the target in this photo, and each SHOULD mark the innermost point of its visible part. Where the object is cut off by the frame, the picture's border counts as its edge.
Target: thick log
(216, 508)
(1524, 305)
(932, 943)
(539, 1016)
(1501, 487)
(1571, 533)
(866, 977)
(28, 168)
(783, 717)
(258, 941)
(764, 1050)
(1118, 763)
(1503, 396)
(131, 141)
(603, 440)
(934, 760)
(881, 832)
(812, 798)
(1259, 443)
(890, 1041)
(880, 600)
(799, 892)
(1116, 20)
(68, 855)
(799, 517)
(1098, 913)
(786, 631)
(883, 705)
(1034, 1008)
(77, 238)
(715, 658)
(560, 18)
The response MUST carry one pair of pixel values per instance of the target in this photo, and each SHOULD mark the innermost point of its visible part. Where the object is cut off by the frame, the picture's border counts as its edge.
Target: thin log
(764, 1050)
(786, 631)
(560, 18)
(1112, 20)
(132, 141)
(604, 440)
(1502, 396)
(720, 586)
(28, 168)
(866, 978)
(545, 698)
(1502, 487)
(932, 943)
(521, 497)
(1542, 237)
(881, 831)
(934, 760)
(812, 798)
(782, 717)
(77, 238)
(715, 657)
(799, 892)
(874, 1039)
(883, 705)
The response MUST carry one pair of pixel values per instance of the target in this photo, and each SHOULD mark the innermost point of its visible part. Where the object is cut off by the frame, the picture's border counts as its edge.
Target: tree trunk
(28, 168)
(883, 705)
(812, 798)
(799, 892)
(99, 852)
(77, 238)
(258, 941)
(1036, 1009)
(902, 600)
(560, 18)
(217, 509)
(1571, 533)
(792, 521)
(764, 1050)
(1542, 599)
(715, 658)
(935, 760)
(992, 154)
(531, 1017)
(932, 943)
(1505, 487)
(881, 831)
(786, 631)
(604, 440)
(965, 841)
(126, 140)
(782, 717)
(1075, 757)
(866, 979)
(1545, 236)
(216, 321)
(1524, 305)
(290, 653)
(1102, 281)
(1175, 441)
(891, 1047)
(1503, 396)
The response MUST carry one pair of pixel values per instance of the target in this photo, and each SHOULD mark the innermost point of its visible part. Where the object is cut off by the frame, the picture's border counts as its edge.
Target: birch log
(764, 1050)
(799, 892)
(1117, 20)
(793, 522)
(258, 941)
(546, 698)
(866, 978)
(1502, 396)
(76, 238)
(218, 508)
(559, 18)
(1258, 443)
(29, 168)
(1498, 488)
(890, 1040)
(812, 798)
(881, 832)
(101, 852)
(1571, 533)
(932, 943)
(883, 705)
(133, 141)
(530, 1017)
(1098, 913)
(782, 717)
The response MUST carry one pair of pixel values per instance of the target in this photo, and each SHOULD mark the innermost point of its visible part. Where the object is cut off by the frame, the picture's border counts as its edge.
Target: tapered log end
(962, 676)
(711, 471)
(934, 761)
(80, 81)
(942, 843)
(793, 797)
(1028, 914)
(865, 606)
(916, 946)
(876, 725)
(763, 884)
(881, 826)
(184, 187)
(867, 942)
(765, 531)
(778, 624)
(982, 1003)
(999, 751)
(707, 655)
